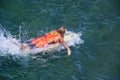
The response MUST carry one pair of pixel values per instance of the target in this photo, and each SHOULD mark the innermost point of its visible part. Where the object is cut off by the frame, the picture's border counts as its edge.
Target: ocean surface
(95, 57)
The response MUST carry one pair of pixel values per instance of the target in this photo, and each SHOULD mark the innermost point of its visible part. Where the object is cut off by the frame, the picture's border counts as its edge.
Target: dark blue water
(98, 58)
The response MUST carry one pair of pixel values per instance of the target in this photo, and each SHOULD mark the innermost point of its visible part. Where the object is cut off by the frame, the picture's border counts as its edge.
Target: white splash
(74, 38)
(6, 46)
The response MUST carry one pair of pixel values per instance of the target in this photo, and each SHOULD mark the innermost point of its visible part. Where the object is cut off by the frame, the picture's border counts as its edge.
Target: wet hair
(62, 31)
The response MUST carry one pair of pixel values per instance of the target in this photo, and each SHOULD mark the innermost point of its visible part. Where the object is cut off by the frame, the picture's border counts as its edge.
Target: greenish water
(97, 59)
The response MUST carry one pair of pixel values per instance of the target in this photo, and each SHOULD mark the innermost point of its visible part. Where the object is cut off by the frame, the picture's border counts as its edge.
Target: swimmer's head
(62, 30)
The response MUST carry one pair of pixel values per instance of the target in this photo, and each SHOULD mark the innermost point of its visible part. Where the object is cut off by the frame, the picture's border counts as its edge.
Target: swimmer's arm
(66, 46)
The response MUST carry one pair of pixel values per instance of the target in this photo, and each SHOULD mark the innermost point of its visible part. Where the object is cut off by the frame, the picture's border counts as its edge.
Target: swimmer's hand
(69, 52)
